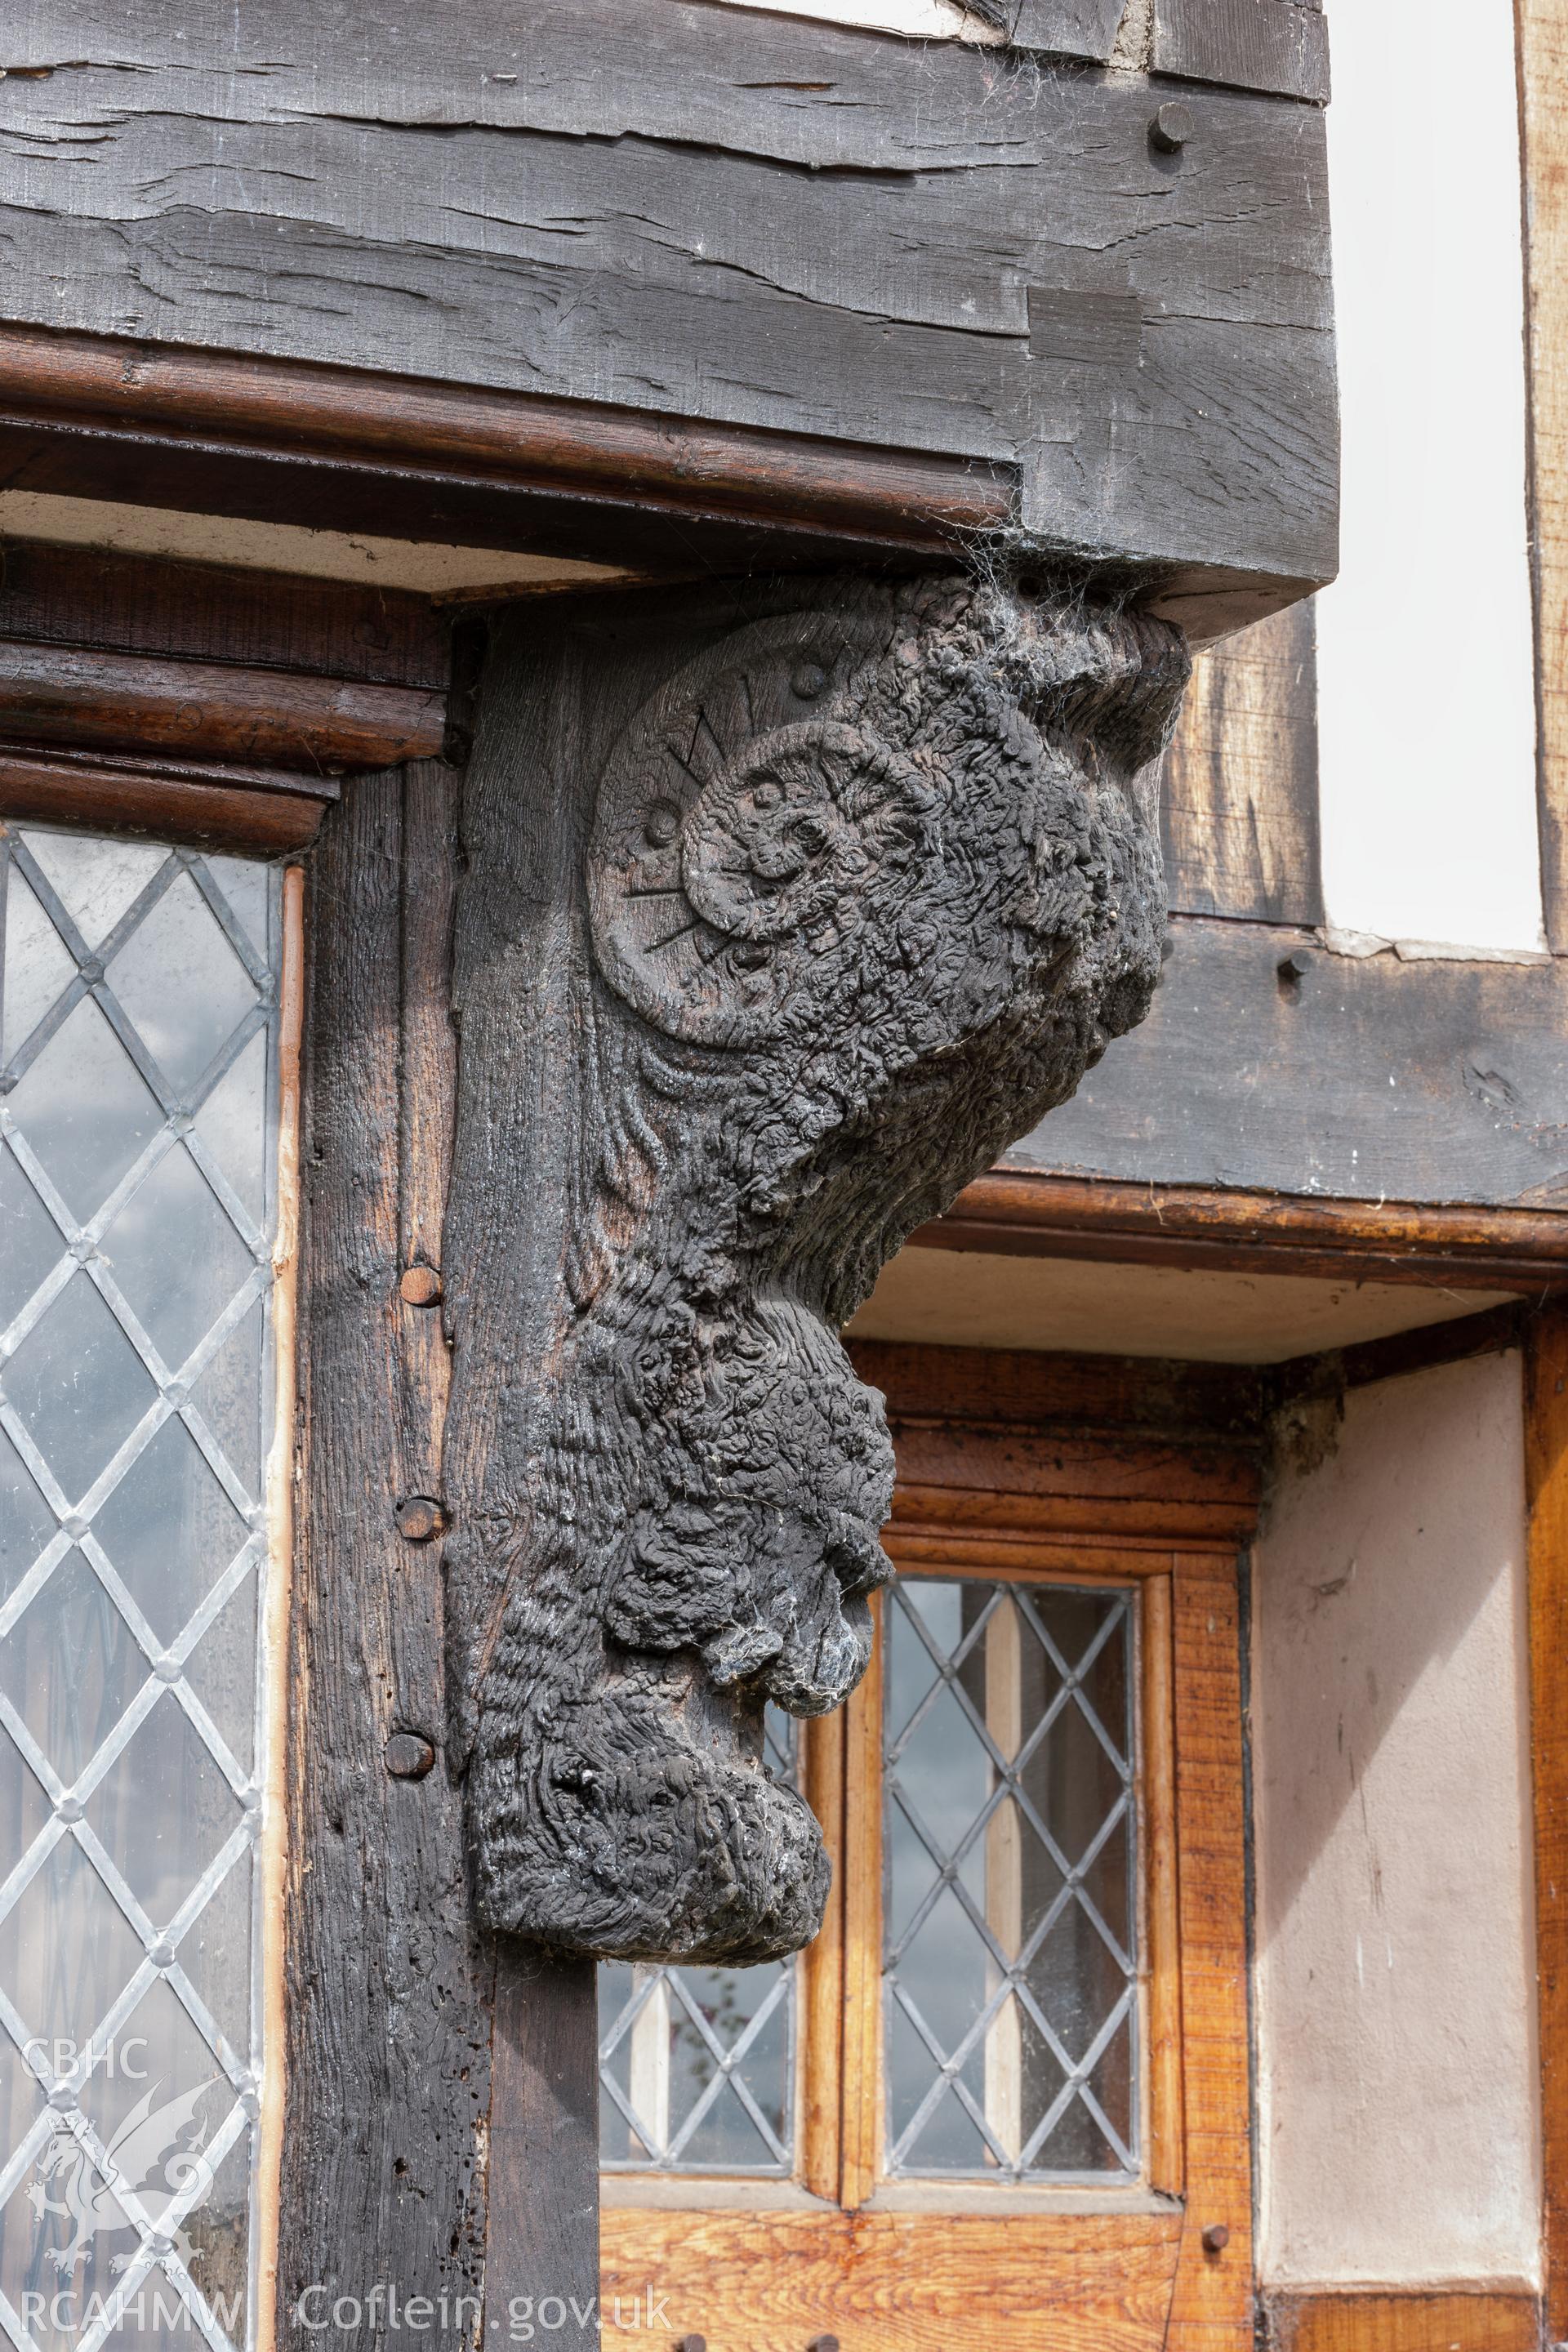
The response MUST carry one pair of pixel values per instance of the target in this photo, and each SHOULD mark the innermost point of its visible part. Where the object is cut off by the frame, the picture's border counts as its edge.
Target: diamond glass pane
(1010, 1956)
(137, 1003)
(697, 2064)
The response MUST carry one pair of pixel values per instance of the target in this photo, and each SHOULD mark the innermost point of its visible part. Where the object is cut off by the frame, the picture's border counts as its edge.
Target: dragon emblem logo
(157, 2155)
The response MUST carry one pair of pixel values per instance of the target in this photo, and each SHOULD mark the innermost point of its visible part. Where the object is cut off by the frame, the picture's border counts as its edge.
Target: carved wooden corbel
(786, 909)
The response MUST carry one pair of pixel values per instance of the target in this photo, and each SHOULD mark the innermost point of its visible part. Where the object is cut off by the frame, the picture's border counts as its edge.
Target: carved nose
(855, 1556)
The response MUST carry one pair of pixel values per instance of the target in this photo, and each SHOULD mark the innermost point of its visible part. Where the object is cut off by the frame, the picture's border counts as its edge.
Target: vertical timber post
(544, 2144)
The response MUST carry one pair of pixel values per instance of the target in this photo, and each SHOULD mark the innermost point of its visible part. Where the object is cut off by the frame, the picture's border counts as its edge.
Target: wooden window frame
(752, 2265)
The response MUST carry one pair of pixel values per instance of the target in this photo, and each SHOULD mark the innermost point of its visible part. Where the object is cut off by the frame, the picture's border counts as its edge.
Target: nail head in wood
(1216, 2238)
(421, 1287)
(1294, 968)
(419, 1517)
(408, 1757)
(823, 2343)
(691, 2344)
(1171, 127)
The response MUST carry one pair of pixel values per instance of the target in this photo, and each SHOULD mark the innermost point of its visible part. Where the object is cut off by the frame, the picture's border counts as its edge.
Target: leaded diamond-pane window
(1010, 1949)
(697, 2064)
(138, 1081)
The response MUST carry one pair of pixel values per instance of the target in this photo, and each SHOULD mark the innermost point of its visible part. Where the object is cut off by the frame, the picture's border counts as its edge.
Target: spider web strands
(209, 982)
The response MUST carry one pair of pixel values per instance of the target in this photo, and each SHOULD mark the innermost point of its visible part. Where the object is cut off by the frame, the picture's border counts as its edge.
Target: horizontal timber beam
(203, 802)
(272, 438)
(1404, 2319)
(202, 703)
(1013, 1214)
(1269, 1063)
(268, 717)
(852, 285)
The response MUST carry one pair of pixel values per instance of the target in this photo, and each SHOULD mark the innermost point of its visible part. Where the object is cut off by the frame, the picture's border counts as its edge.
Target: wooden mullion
(1212, 2308)
(819, 2043)
(1167, 2151)
(862, 2097)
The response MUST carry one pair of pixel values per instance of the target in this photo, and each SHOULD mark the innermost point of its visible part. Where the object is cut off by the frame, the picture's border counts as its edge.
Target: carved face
(785, 833)
(868, 885)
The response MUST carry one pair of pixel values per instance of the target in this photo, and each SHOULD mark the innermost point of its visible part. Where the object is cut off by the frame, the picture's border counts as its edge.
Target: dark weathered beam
(542, 2161)
(1062, 28)
(665, 212)
(388, 1985)
(291, 441)
(176, 609)
(1269, 1063)
(1273, 44)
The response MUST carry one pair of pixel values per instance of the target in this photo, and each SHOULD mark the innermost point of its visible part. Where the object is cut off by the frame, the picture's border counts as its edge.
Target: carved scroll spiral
(863, 889)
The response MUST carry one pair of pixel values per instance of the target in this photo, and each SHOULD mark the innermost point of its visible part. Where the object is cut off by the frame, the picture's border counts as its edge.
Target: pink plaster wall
(1398, 2125)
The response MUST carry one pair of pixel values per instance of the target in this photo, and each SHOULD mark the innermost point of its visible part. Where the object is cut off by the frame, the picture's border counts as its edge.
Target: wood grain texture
(1239, 806)
(1366, 1078)
(1212, 2307)
(1041, 1391)
(173, 800)
(1064, 29)
(1160, 1837)
(1543, 86)
(1125, 1474)
(1156, 1519)
(1403, 2320)
(174, 610)
(288, 441)
(853, 260)
(921, 2282)
(1274, 45)
(76, 694)
(1014, 1212)
(818, 2067)
(543, 2149)
(388, 1992)
(862, 1904)
(1546, 1476)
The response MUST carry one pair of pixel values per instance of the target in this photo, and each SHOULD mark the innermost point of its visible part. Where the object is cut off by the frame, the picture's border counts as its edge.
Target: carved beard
(862, 892)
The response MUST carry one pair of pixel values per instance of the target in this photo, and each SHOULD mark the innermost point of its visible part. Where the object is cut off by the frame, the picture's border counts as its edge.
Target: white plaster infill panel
(1426, 717)
(1398, 2123)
